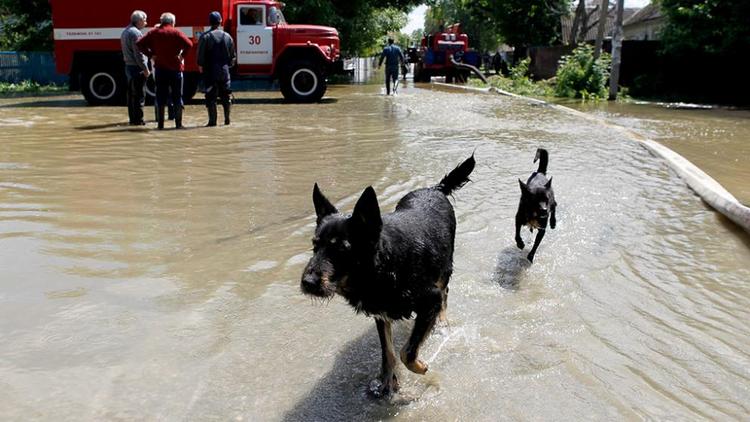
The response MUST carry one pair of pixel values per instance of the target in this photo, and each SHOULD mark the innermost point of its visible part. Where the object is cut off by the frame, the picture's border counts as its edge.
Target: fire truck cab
(435, 55)
(87, 44)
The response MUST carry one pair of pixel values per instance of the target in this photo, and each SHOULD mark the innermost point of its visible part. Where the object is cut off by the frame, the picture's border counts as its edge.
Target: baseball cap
(214, 18)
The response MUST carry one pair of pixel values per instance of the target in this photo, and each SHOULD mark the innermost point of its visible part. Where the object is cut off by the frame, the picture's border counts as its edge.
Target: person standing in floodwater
(215, 57)
(394, 59)
(136, 67)
(166, 45)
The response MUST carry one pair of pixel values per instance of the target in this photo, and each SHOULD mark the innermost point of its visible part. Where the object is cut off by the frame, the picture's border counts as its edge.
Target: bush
(29, 88)
(580, 76)
(518, 82)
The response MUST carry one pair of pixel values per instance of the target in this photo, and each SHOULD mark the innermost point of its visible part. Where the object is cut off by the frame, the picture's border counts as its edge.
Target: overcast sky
(416, 17)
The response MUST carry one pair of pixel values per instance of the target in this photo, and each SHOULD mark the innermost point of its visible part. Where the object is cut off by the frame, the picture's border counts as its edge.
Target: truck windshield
(275, 16)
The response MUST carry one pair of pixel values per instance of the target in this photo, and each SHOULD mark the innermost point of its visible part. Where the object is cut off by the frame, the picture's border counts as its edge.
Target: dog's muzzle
(315, 284)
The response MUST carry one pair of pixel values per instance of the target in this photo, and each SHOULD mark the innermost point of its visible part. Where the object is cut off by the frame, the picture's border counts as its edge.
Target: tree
(25, 25)
(524, 23)
(474, 22)
(614, 77)
(601, 27)
(361, 23)
(717, 27)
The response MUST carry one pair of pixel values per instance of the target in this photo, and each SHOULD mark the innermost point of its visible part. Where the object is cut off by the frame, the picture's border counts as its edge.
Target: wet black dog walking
(537, 204)
(389, 266)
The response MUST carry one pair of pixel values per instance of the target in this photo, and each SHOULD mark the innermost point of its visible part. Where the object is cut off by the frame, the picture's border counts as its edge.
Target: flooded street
(154, 275)
(716, 140)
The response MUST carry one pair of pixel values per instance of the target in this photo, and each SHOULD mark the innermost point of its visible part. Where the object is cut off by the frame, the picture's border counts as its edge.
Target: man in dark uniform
(166, 45)
(394, 59)
(215, 57)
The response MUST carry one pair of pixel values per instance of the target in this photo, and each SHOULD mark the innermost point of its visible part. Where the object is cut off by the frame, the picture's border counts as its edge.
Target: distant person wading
(394, 59)
(215, 57)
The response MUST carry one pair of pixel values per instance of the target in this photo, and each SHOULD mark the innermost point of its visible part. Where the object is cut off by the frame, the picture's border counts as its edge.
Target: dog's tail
(543, 157)
(458, 177)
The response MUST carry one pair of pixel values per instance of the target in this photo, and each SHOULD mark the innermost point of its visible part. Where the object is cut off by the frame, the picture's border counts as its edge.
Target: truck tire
(103, 86)
(303, 82)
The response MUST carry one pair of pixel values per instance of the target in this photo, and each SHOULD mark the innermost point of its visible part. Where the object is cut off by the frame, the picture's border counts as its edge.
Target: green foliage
(362, 24)
(718, 27)
(580, 76)
(519, 83)
(523, 23)
(25, 25)
(474, 22)
(520, 23)
(29, 87)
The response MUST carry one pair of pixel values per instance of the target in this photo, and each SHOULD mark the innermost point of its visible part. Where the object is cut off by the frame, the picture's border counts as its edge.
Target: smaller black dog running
(537, 204)
(389, 266)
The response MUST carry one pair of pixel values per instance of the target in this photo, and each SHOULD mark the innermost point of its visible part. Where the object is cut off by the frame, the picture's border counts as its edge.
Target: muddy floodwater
(155, 275)
(715, 139)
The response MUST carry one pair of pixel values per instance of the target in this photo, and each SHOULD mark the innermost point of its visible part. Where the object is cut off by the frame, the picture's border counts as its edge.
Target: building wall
(644, 31)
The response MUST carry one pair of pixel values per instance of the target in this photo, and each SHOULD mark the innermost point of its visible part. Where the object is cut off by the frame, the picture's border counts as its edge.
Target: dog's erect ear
(323, 206)
(524, 188)
(549, 183)
(366, 215)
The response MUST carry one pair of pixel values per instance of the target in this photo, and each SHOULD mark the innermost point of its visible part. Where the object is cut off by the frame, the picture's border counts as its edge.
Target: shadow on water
(259, 101)
(81, 103)
(49, 103)
(343, 393)
(123, 126)
(510, 265)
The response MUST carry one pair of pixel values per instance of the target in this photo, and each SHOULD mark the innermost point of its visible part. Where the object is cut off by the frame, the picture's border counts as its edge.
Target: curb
(701, 183)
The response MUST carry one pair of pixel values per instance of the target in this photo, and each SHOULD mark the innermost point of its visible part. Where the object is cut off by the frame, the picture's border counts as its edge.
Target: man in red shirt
(166, 45)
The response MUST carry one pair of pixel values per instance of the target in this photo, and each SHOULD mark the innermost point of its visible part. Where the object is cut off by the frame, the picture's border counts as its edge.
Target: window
(251, 16)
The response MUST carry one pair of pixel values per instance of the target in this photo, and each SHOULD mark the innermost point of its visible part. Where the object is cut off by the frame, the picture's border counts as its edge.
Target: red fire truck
(443, 53)
(87, 44)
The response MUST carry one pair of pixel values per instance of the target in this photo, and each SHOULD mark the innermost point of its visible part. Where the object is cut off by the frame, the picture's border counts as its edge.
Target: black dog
(391, 266)
(537, 203)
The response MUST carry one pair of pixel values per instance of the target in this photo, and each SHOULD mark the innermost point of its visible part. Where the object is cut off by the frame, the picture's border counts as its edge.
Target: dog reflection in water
(389, 266)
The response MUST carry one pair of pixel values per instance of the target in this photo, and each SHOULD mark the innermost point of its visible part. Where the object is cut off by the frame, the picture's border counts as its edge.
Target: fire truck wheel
(103, 86)
(303, 82)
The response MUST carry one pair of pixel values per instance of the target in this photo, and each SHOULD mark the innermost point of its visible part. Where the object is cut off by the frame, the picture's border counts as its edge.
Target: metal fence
(363, 68)
(39, 67)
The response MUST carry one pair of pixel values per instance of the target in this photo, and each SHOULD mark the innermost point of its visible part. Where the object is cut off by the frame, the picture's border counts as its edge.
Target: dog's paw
(520, 243)
(383, 389)
(417, 366)
(530, 257)
(552, 223)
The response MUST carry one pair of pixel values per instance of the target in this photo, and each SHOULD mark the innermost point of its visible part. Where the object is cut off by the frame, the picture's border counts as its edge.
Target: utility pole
(602, 25)
(614, 77)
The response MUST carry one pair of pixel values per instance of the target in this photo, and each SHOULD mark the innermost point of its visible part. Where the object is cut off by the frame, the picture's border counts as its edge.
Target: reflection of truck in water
(87, 44)
(433, 56)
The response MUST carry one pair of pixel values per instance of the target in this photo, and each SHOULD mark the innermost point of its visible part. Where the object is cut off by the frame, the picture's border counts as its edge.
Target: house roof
(566, 23)
(648, 13)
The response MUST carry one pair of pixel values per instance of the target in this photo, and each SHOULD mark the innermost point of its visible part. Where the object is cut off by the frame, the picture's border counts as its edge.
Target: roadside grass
(30, 88)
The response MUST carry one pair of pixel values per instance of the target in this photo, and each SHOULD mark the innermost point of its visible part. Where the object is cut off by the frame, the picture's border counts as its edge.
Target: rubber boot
(160, 117)
(177, 117)
(212, 114)
(227, 110)
(170, 111)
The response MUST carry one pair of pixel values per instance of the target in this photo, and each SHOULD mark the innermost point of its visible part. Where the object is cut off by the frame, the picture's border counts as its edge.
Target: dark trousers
(168, 87)
(135, 96)
(391, 74)
(220, 90)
